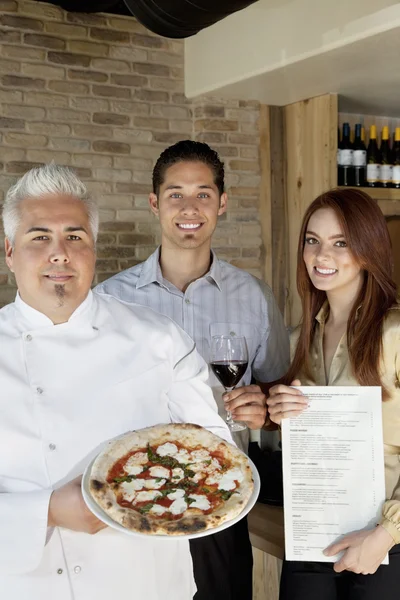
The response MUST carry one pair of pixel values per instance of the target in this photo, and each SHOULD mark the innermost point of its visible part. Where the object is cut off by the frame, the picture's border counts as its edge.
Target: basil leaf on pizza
(171, 479)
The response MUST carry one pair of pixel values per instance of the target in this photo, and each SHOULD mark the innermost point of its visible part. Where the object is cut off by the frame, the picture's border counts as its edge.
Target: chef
(77, 369)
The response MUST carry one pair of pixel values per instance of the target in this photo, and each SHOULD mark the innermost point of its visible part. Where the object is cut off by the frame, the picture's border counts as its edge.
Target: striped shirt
(226, 300)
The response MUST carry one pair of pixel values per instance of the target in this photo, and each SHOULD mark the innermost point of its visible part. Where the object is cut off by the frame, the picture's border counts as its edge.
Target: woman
(350, 335)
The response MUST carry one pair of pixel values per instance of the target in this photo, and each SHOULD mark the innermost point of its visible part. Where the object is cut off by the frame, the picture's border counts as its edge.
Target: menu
(333, 469)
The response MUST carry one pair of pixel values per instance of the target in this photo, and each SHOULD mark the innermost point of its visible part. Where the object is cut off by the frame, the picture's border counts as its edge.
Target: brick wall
(102, 94)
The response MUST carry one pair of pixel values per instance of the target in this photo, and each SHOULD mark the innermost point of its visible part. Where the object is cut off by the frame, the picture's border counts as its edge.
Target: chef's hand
(247, 404)
(285, 401)
(364, 550)
(67, 509)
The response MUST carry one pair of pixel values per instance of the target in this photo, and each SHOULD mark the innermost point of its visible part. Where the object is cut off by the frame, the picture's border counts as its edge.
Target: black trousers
(223, 564)
(318, 581)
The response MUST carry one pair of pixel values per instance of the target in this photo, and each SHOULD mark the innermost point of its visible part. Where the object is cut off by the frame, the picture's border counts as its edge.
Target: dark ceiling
(169, 18)
(115, 7)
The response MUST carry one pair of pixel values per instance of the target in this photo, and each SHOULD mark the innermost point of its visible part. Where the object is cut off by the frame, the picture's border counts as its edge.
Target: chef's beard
(60, 293)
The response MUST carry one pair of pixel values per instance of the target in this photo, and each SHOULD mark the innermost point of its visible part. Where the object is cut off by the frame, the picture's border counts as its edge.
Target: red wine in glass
(229, 360)
(229, 373)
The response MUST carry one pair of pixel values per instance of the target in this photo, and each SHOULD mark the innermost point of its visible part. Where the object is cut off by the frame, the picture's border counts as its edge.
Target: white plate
(100, 514)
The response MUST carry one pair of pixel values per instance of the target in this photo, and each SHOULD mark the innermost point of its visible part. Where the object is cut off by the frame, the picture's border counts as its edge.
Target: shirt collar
(36, 319)
(215, 271)
(151, 271)
(323, 312)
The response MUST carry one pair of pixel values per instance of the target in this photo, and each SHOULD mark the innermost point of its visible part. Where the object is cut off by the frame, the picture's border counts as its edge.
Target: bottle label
(385, 173)
(373, 172)
(346, 157)
(360, 158)
(396, 174)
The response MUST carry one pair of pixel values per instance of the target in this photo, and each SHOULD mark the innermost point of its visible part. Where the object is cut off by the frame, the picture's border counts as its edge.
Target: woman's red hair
(364, 228)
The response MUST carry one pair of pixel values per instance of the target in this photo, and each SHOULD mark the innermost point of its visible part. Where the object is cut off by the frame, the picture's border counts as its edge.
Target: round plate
(100, 514)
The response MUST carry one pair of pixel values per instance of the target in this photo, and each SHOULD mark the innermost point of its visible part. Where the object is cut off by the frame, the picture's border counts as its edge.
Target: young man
(77, 369)
(206, 296)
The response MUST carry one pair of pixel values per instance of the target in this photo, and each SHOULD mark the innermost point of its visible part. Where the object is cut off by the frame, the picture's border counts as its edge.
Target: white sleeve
(190, 397)
(23, 530)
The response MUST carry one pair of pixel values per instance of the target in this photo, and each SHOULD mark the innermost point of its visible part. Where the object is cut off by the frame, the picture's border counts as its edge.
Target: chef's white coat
(64, 390)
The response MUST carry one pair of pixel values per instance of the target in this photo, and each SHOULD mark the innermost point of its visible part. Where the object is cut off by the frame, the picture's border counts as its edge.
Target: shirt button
(187, 301)
(59, 571)
(52, 446)
(28, 338)
(39, 390)
(77, 569)
(232, 333)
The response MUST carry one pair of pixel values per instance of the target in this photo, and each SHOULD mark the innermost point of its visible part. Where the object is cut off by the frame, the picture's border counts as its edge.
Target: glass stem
(229, 419)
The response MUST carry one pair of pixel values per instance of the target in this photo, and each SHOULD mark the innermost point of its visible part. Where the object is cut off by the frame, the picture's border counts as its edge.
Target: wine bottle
(373, 160)
(396, 159)
(359, 158)
(386, 160)
(345, 166)
(338, 150)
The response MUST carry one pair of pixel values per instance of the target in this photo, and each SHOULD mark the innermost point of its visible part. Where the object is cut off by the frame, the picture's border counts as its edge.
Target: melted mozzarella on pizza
(199, 456)
(159, 471)
(177, 474)
(215, 465)
(133, 469)
(154, 484)
(128, 490)
(213, 478)
(200, 501)
(175, 494)
(182, 456)
(228, 479)
(178, 506)
(136, 484)
(147, 496)
(139, 458)
(198, 477)
(197, 467)
(158, 510)
(167, 449)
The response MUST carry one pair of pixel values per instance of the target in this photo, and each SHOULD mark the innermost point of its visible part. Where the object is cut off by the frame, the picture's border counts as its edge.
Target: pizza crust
(193, 520)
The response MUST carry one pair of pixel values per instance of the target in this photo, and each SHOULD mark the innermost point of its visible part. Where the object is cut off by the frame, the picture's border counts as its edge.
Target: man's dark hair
(188, 151)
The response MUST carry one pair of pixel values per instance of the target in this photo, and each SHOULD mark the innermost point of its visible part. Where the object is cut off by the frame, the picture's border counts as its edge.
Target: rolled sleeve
(391, 516)
(23, 529)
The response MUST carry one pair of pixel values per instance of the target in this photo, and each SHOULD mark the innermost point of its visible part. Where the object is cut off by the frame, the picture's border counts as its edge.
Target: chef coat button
(39, 390)
(28, 338)
(52, 446)
(77, 569)
(59, 571)
(187, 301)
(232, 333)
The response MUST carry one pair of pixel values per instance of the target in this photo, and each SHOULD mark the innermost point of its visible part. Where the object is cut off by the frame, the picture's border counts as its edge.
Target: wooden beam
(265, 194)
(310, 148)
(279, 216)
(273, 209)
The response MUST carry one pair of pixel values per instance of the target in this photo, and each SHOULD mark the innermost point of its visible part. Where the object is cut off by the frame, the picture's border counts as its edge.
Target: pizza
(171, 479)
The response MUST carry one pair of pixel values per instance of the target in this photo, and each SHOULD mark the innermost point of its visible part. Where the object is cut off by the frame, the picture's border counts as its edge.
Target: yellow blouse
(340, 374)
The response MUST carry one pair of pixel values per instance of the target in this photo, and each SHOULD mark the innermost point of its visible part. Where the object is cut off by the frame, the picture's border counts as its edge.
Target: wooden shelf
(387, 198)
(379, 193)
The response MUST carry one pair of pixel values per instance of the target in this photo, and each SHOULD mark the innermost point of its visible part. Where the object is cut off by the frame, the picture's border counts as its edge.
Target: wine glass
(229, 360)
